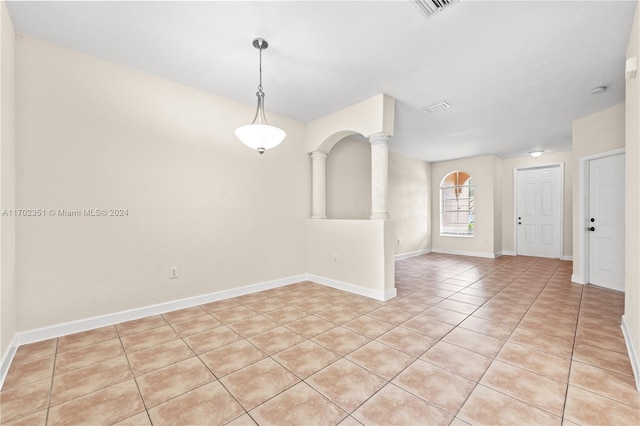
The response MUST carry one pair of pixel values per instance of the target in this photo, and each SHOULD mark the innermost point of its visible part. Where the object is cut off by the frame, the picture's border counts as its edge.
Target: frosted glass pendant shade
(260, 136)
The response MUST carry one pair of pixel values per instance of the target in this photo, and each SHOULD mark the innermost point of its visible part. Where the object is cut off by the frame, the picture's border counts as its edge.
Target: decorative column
(379, 175)
(318, 184)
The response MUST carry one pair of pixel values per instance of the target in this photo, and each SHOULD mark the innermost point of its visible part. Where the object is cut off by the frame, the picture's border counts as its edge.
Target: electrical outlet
(335, 258)
(173, 272)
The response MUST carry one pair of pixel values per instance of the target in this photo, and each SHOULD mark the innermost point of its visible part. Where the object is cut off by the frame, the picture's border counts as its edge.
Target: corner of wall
(631, 318)
(7, 188)
(497, 204)
(631, 349)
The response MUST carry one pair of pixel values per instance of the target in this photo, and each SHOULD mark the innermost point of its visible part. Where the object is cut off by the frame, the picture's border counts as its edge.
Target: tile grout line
(135, 380)
(532, 303)
(446, 334)
(53, 374)
(507, 339)
(369, 340)
(197, 355)
(573, 349)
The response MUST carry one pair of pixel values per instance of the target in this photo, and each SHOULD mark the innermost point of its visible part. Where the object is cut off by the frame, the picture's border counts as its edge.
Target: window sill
(457, 235)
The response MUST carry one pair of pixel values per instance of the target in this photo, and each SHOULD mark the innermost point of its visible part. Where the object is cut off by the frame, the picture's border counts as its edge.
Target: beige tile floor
(467, 341)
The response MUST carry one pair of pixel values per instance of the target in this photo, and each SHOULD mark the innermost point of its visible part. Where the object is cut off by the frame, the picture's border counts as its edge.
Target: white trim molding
(411, 254)
(567, 258)
(353, 288)
(7, 358)
(633, 354)
(63, 329)
(578, 279)
(466, 253)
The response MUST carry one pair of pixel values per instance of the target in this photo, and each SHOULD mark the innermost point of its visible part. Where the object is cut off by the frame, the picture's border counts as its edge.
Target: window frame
(457, 229)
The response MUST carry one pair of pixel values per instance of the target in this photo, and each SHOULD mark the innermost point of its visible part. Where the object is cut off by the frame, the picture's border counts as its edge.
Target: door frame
(581, 274)
(515, 202)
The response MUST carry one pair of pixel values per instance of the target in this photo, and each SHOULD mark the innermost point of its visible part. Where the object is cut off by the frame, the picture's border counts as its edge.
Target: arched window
(456, 204)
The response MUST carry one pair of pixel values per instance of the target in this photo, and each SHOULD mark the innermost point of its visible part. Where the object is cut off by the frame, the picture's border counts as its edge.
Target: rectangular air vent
(437, 107)
(429, 7)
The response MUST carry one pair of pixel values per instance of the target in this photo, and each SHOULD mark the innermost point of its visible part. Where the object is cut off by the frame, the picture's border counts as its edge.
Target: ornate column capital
(318, 155)
(379, 139)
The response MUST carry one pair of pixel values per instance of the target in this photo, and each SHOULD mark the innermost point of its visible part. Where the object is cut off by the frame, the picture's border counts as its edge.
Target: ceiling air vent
(438, 107)
(429, 7)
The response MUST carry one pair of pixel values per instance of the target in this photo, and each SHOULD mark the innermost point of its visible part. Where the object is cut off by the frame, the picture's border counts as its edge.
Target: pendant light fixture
(259, 135)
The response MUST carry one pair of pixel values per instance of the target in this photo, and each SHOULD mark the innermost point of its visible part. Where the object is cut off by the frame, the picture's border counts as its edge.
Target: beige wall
(92, 135)
(111, 137)
(410, 203)
(349, 180)
(498, 200)
(349, 192)
(367, 118)
(508, 203)
(482, 171)
(7, 182)
(632, 200)
(600, 132)
(364, 250)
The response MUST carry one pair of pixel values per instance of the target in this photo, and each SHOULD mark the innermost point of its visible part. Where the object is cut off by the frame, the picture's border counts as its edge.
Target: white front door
(539, 211)
(606, 222)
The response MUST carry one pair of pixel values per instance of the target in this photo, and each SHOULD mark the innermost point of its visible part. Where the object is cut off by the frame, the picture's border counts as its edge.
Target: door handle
(591, 229)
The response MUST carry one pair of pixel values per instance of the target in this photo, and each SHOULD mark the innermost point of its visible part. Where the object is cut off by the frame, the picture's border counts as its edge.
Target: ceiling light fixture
(536, 154)
(598, 90)
(259, 135)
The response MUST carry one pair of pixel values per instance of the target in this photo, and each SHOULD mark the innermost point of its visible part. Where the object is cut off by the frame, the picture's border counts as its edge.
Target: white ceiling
(516, 73)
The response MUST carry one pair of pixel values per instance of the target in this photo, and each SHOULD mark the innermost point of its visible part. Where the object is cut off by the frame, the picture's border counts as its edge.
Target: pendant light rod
(260, 118)
(260, 44)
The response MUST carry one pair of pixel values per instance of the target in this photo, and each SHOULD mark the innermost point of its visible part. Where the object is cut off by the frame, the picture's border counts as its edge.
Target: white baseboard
(352, 288)
(7, 358)
(466, 253)
(578, 279)
(412, 254)
(513, 253)
(63, 329)
(633, 354)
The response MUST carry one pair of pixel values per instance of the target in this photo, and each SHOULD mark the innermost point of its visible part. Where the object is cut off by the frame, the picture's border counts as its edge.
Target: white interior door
(606, 222)
(539, 211)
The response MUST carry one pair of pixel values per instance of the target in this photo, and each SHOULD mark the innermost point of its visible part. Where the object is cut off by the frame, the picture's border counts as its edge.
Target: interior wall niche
(349, 180)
